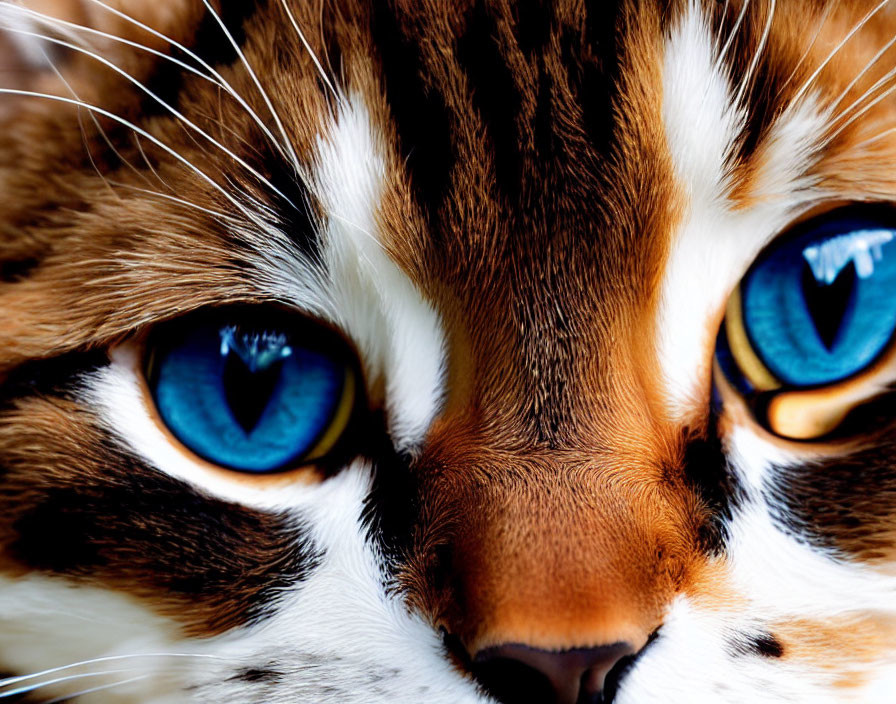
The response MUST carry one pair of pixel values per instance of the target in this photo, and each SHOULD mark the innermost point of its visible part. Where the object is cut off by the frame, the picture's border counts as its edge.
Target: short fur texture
(526, 218)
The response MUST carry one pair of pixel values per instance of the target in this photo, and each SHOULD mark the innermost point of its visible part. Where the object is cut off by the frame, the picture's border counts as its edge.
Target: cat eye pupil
(248, 392)
(829, 302)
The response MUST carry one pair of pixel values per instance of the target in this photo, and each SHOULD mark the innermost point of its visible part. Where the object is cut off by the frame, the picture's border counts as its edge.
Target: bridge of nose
(559, 558)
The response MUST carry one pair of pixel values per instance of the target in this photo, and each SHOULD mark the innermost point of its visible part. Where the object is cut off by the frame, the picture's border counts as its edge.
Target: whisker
(861, 73)
(96, 124)
(883, 80)
(732, 34)
(264, 95)
(59, 680)
(116, 118)
(220, 79)
(56, 23)
(174, 199)
(867, 18)
(875, 138)
(822, 22)
(75, 695)
(320, 68)
(107, 658)
(174, 111)
(149, 163)
(889, 91)
(760, 48)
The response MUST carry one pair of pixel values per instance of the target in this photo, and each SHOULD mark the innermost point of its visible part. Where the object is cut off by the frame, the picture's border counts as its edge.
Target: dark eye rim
(355, 438)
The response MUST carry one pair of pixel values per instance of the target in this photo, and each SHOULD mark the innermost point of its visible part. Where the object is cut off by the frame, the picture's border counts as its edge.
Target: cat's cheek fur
(47, 621)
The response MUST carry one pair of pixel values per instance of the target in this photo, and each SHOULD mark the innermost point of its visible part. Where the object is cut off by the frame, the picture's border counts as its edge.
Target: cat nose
(520, 674)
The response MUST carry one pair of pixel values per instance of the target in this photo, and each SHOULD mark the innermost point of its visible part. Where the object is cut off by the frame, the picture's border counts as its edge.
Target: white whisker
(748, 77)
(732, 34)
(861, 112)
(883, 80)
(57, 23)
(264, 95)
(220, 79)
(101, 687)
(116, 118)
(108, 658)
(59, 680)
(875, 138)
(861, 73)
(824, 18)
(179, 115)
(867, 18)
(320, 68)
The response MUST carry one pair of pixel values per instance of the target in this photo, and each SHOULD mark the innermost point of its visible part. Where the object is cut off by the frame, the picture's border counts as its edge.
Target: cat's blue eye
(251, 390)
(815, 309)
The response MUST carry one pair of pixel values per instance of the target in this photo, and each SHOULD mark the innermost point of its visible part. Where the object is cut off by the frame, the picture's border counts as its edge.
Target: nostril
(513, 682)
(519, 674)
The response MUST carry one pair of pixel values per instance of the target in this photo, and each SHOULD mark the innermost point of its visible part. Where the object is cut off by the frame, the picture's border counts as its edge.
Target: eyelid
(812, 413)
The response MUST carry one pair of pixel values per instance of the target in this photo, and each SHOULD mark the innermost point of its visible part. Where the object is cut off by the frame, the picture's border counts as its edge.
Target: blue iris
(821, 306)
(247, 396)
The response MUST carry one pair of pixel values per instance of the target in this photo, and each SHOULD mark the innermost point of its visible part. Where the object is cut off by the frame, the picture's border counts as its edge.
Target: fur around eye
(814, 311)
(250, 390)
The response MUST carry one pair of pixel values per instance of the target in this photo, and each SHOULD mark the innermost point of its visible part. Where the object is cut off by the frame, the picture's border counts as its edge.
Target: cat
(482, 352)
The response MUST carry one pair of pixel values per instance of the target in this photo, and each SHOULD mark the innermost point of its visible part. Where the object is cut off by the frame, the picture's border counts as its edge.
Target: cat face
(469, 352)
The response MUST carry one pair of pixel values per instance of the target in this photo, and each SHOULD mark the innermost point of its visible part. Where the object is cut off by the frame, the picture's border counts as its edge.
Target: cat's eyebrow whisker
(861, 23)
(822, 22)
(320, 68)
(734, 30)
(851, 108)
(57, 24)
(219, 78)
(889, 91)
(149, 163)
(861, 73)
(96, 124)
(287, 142)
(116, 118)
(174, 111)
(875, 138)
(174, 199)
(748, 77)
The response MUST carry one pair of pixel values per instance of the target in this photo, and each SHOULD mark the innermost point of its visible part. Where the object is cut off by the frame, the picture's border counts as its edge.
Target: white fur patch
(715, 244)
(50, 623)
(397, 331)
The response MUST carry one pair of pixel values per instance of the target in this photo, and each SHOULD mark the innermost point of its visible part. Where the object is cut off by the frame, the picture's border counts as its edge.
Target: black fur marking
(263, 675)
(594, 79)
(297, 215)
(764, 645)
(210, 43)
(844, 503)
(54, 376)
(392, 508)
(134, 526)
(706, 469)
(534, 19)
(495, 95)
(13, 270)
(422, 119)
